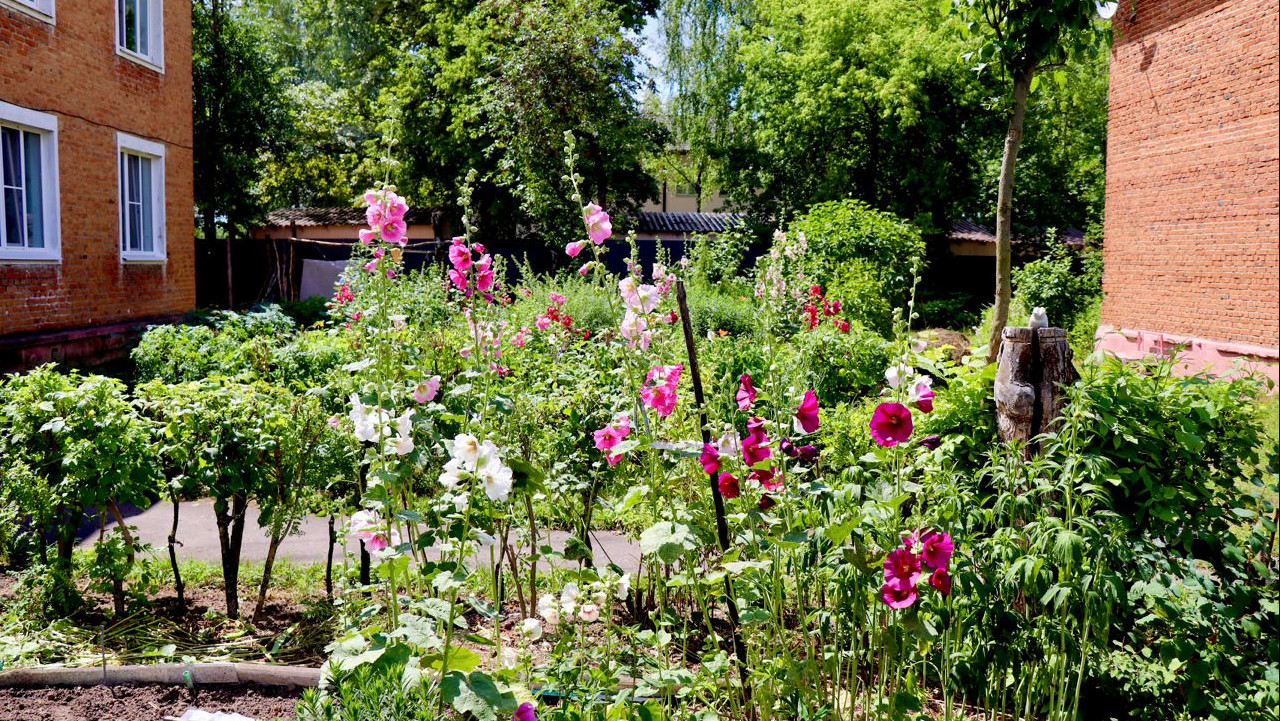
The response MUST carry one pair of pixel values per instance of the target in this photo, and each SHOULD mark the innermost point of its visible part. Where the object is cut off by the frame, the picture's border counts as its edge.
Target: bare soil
(144, 702)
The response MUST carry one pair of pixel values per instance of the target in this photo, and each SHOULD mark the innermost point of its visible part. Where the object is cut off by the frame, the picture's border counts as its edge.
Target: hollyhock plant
(599, 228)
(941, 581)
(746, 392)
(936, 548)
(807, 413)
(891, 424)
(710, 459)
(902, 564)
(755, 447)
(728, 485)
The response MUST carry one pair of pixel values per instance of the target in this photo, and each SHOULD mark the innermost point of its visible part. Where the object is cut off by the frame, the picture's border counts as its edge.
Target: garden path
(198, 536)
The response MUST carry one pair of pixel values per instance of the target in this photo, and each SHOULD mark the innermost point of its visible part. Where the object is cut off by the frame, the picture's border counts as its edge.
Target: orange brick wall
(71, 69)
(1191, 246)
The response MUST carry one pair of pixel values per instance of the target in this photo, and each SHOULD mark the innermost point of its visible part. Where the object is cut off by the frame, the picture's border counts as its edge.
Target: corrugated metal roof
(966, 230)
(304, 217)
(687, 222)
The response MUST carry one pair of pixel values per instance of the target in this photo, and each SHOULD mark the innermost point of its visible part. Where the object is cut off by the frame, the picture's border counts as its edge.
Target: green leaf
(667, 540)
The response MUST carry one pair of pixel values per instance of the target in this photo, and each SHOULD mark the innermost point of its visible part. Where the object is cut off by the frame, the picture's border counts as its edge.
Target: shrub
(1064, 283)
(306, 312)
(842, 365)
(861, 292)
(712, 310)
(718, 258)
(844, 230)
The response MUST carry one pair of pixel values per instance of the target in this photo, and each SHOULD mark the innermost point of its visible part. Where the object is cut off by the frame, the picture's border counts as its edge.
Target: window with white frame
(28, 184)
(142, 212)
(140, 31)
(42, 9)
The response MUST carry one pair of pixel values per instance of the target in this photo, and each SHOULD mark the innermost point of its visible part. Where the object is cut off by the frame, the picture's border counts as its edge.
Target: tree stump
(1033, 367)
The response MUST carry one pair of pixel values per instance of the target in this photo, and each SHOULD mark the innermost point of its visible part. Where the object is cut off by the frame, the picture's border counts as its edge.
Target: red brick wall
(1191, 245)
(71, 69)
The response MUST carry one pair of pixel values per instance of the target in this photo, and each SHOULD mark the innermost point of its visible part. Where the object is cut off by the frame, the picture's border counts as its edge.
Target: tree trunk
(230, 537)
(66, 539)
(124, 528)
(173, 556)
(1004, 212)
(266, 575)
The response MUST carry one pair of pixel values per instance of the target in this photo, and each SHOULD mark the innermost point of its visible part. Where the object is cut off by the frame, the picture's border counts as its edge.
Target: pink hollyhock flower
(647, 297)
(373, 216)
(597, 221)
(484, 280)
(542, 322)
(558, 299)
(396, 207)
(746, 392)
(575, 247)
(903, 564)
(766, 478)
(922, 394)
(371, 266)
(518, 340)
(370, 197)
(369, 527)
(524, 713)
(766, 502)
(390, 274)
(458, 278)
(334, 422)
(755, 447)
(629, 291)
(611, 435)
(891, 424)
(633, 326)
(660, 399)
(807, 413)
(936, 548)
(583, 270)
(898, 593)
(425, 391)
(645, 339)
(459, 255)
(367, 236)
(379, 252)
(671, 318)
(710, 459)
(393, 231)
(665, 375)
(728, 485)
(941, 580)
(484, 263)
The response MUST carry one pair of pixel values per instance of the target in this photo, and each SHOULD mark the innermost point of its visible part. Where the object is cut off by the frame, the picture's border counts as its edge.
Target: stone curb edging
(201, 674)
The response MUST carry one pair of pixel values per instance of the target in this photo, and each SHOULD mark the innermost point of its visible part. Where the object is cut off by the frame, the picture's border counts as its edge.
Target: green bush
(861, 292)
(842, 366)
(306, 312)
(1064, 283)
(713, 309)
(844, 230)
(718, 258)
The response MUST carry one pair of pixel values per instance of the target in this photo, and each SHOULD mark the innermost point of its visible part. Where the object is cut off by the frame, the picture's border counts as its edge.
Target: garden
(826, 523)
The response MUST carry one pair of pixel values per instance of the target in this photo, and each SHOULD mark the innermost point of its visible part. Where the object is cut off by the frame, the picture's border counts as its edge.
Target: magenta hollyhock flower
(891, 424)
(661, 399)
(542, 322)
(807, 453)
(484, 280)
(611, 435)
(379, 252)
(936, 548)
(524, 713)
(755, 447)
(766, 478)
(390, 274)
(710, 459)
(558, 299)
(583, 270)
(901, 563)
(597, 221)
(393, 231)
(941, 580)
(367, 236)
(728, 485)
(574, 248)
(807, 413)
(746, 392)
(788, 448)
(458, 278)
(898, 593)
(371, 266)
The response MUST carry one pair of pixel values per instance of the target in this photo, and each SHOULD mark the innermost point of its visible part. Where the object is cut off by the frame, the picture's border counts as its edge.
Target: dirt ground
(144, 702)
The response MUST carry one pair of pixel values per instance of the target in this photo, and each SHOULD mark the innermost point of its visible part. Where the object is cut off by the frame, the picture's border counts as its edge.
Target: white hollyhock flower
(622, 588)
(403, 442)
(898, 374)
(497, 480)
(531, 629)
(466, 448)
(452, 475)
(589, 612)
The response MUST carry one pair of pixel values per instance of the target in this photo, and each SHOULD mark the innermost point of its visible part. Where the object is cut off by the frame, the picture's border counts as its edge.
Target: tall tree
(1022, 37)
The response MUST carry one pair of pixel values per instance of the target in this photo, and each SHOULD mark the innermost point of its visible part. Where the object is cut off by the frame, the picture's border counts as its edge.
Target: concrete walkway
(198, 536)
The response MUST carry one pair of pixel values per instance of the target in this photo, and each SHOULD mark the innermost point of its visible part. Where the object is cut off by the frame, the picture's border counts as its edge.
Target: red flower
(898, 593)
(766, 478)
(766, 502)
(941, 581)
(728, 485)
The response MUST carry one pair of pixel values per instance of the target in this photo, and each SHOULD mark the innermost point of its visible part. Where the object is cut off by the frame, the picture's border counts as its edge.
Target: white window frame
(38, 9)
(46, 124)
(154, 57)
(133, 145)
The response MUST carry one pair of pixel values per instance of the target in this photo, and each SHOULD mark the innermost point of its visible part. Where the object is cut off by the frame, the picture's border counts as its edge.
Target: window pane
(10, 157)
(12, 216)
(124, 208)
(144, 26)
(131, 24)
(147, 207)
(35, 190)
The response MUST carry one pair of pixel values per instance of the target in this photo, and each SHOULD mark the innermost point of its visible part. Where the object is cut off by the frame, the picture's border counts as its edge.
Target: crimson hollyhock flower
(746, 393)
(941, 581)
(807, 453)
(765, 477)
(898, 593)
(766, 502)
(931, 442)
(755, 447)
(891, 424)
(728, 485)
(807, 413)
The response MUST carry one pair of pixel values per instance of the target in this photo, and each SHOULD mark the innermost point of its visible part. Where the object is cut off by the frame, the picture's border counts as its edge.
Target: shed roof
(304, 217)
(687, 222)
(964, 230)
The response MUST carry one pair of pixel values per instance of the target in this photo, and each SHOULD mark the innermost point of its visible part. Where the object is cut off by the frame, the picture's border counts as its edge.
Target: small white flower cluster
(584, 605)
(375, 425)
(470, 458)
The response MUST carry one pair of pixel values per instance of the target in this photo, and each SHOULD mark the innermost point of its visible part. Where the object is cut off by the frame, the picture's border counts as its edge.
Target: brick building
(1191, 245)
(96, 219)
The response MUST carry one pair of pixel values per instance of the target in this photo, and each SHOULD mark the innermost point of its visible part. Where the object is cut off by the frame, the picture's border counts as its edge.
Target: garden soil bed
(150, 702)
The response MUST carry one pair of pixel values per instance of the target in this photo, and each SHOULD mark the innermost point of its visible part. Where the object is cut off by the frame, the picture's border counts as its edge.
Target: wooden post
(1032, 369)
